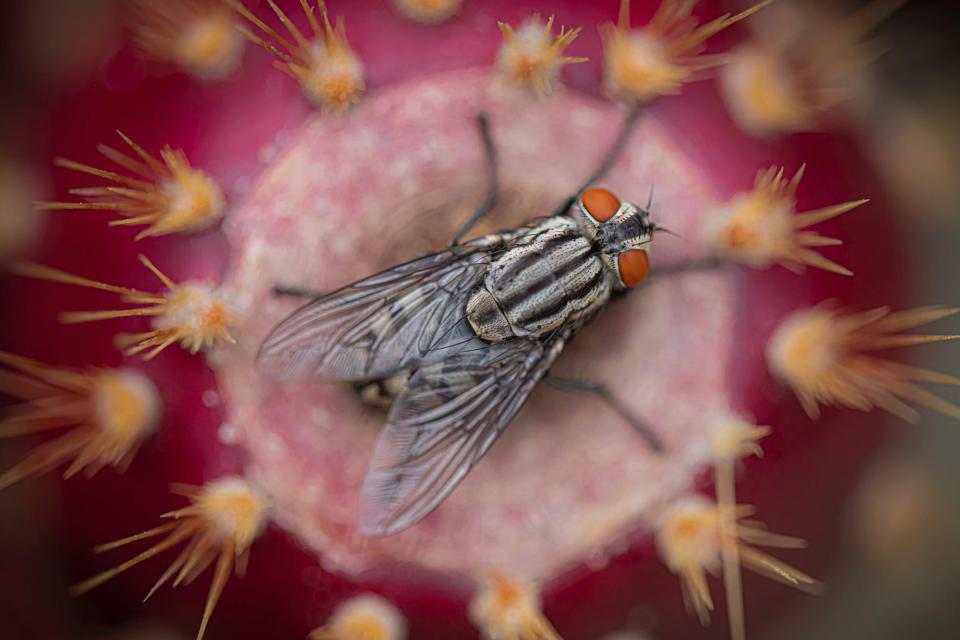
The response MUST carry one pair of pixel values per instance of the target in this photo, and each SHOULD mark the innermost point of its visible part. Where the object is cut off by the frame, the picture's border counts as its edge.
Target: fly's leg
(684, 266)
(616, 149)
(297, 292)
(609, 159)
(490, 199)
(603, 393)
(676, 268)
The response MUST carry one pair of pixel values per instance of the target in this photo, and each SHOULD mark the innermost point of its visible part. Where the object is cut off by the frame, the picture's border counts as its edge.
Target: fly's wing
(383, 324)
(447, 417)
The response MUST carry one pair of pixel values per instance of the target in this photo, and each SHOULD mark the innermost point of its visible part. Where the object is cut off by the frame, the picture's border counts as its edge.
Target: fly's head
(622, 233)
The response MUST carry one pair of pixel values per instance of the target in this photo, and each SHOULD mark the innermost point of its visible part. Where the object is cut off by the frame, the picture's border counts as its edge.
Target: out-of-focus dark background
(900, 575)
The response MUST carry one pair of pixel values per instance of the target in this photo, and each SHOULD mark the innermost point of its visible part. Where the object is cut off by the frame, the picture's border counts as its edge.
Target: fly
(469, 331)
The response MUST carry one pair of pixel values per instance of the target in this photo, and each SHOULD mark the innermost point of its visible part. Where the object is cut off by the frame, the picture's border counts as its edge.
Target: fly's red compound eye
(600, 204)
(634, 267)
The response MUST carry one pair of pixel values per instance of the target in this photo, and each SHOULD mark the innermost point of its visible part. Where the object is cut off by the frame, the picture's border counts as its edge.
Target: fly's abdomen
(536, 286)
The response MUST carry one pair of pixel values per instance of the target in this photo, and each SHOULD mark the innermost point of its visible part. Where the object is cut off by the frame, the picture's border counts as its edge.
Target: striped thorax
(563, 270)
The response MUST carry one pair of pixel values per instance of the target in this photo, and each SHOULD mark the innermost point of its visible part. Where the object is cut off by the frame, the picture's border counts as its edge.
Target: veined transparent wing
(397, 319)
(449, 415)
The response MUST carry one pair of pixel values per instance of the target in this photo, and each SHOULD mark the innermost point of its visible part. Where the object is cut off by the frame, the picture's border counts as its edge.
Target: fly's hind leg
(603, 393)
(609, 159)
(490, 199)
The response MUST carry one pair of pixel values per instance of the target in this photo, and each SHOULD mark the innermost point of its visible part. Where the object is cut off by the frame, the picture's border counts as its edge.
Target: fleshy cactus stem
(549, 535)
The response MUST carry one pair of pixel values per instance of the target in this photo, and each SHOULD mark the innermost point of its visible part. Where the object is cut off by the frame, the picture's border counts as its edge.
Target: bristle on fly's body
(428, 11)
(168, 196)
(532, 57)
(761, 227)
(199, 36)
(659, 58)
(363, 617)
(193, 314)
(693, 535)
(825, 357)
(223, 520)
(508, 609)
(108, 414)
(329, 72)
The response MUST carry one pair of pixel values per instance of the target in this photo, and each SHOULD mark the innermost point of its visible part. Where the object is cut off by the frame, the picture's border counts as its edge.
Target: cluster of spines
(329, 72)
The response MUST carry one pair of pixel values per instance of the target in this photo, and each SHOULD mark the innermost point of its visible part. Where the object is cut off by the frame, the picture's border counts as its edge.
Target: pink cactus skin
(798, 487)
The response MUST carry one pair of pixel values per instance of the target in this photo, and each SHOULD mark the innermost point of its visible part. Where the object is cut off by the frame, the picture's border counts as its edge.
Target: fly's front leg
(684, 266)
(676, 268)
(609, 159)
(603, 393)
(297, 292)
(490, 199)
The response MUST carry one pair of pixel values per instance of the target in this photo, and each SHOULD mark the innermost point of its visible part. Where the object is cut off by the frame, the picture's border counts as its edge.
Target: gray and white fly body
(475, 327)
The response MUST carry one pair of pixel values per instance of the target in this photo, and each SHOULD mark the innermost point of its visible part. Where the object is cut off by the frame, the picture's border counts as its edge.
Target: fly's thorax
(551, 276)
